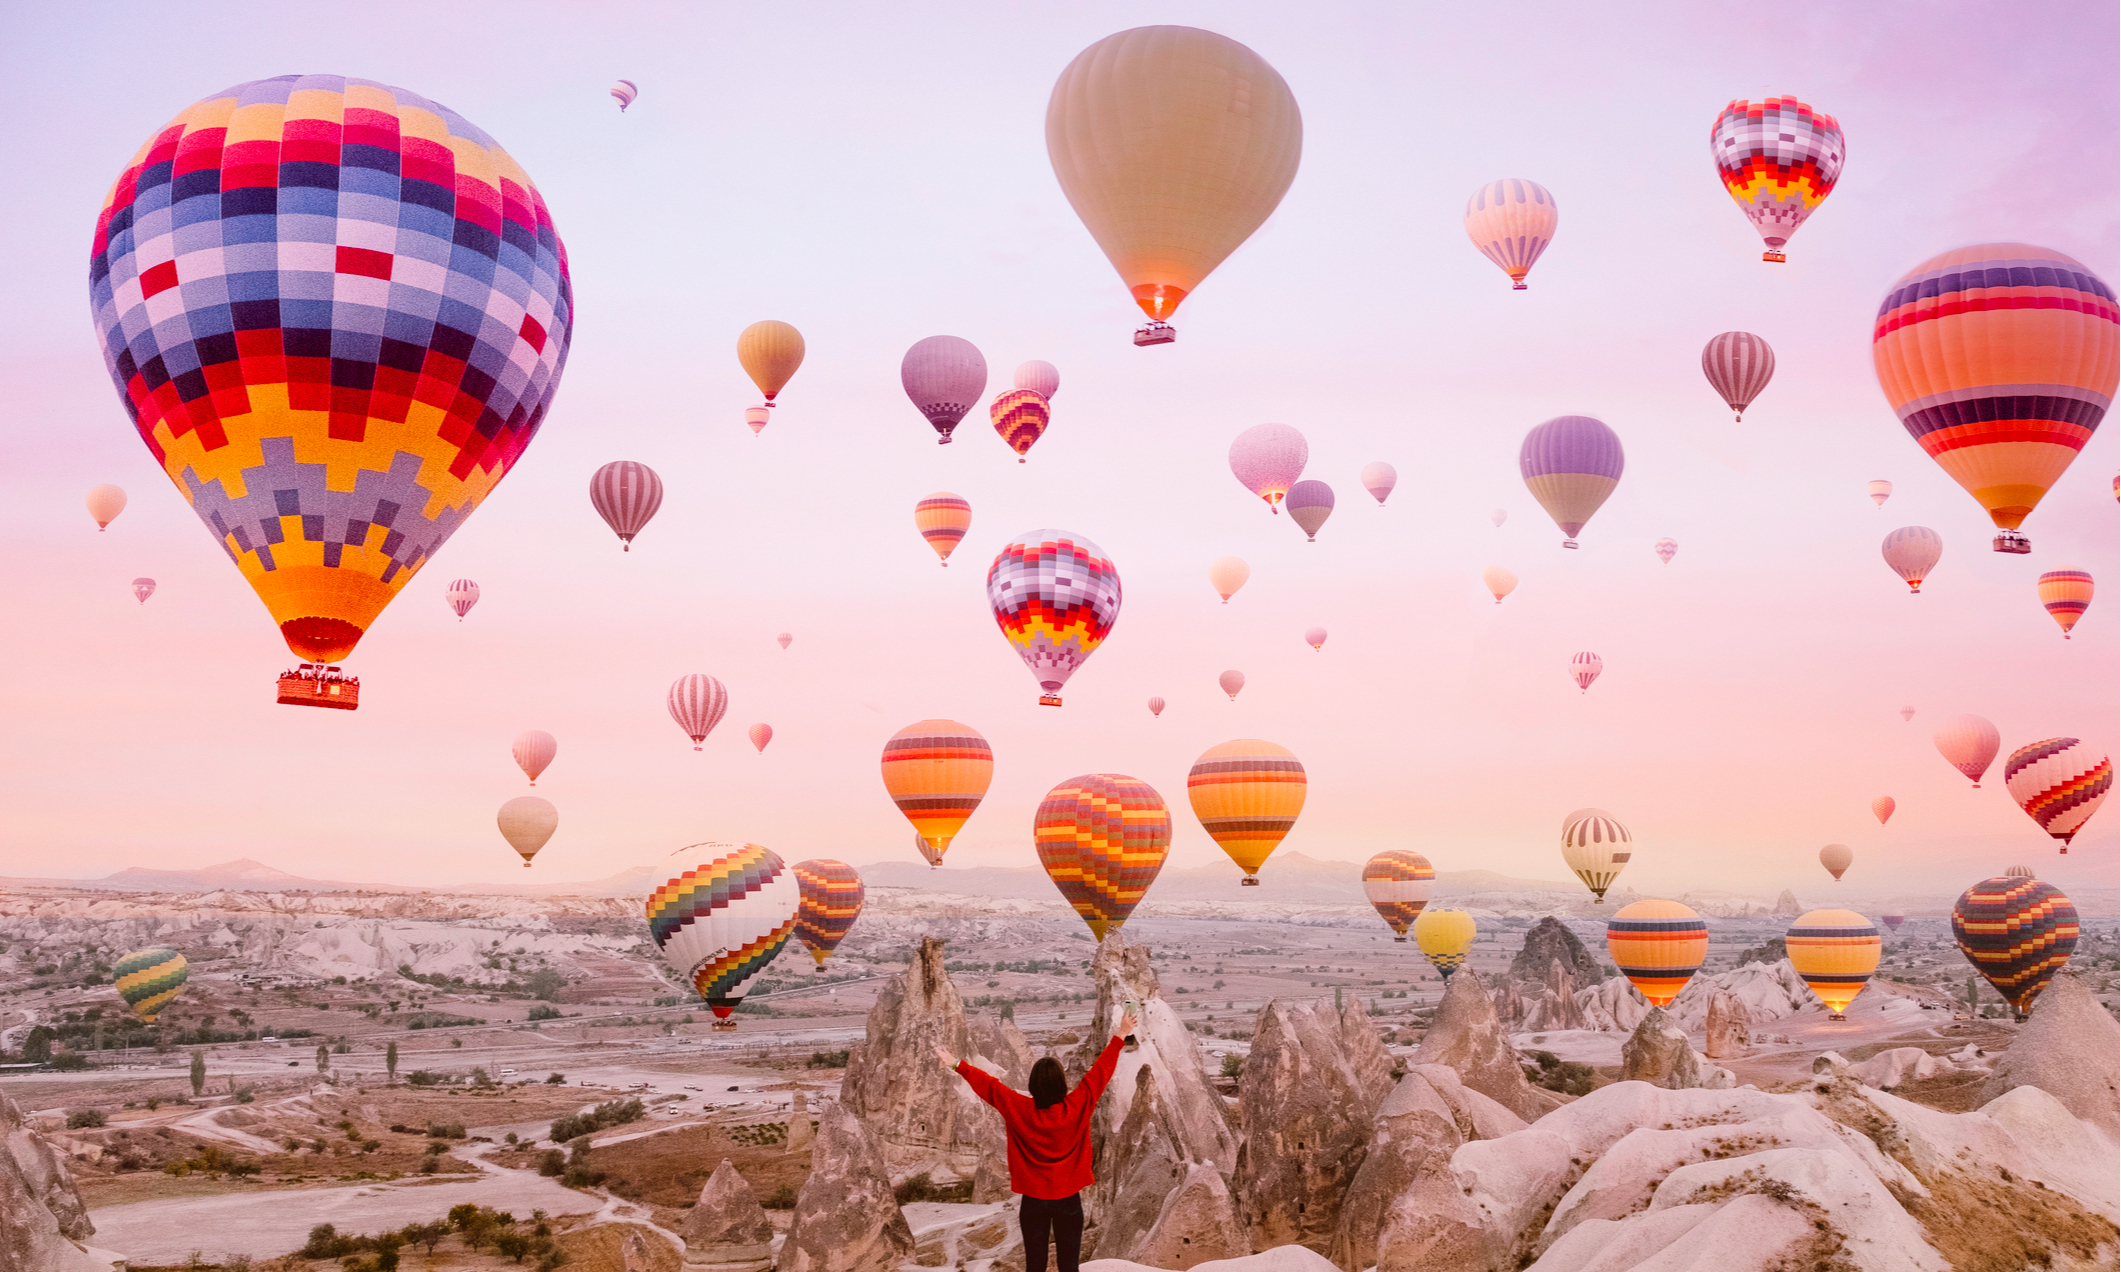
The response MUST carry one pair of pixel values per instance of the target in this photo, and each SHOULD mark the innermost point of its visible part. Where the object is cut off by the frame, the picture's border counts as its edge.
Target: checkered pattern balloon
(1102, 838)
(1398, 883)
(337, 313)
(148, 979)
(1055, 596)
(1779, 159)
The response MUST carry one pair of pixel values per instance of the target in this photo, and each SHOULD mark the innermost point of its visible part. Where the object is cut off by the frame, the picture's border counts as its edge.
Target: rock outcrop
(2067, 1048)
(1425, 1119)
(1467, 1035)
(1786, 906)
(1728, 1031)
(1002, 1046)
(1546, 943)
(1306, 1127)
(845, 1217)
(1888, 1069)
(1364, 1049)
(1197, 1223)
(1280, 1259)
(42, 1219)
(1556, 1007)
(1768, 991)
(1659, 1054)
(727, 1230)
(801, 1134)
(923, 1116)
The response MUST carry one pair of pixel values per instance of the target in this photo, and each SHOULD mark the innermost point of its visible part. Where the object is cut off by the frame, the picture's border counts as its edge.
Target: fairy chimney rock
(1659, 1053)
(1547, 942)
(1730, 1026)
(1306, 1127)
(1467, 1035)
(923, 1116)
(727, 1230)
(846, 1219)
(800, 1132)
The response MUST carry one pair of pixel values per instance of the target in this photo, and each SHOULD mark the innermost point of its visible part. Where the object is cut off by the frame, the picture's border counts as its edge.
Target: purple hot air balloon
(626, 495)
(1570, 464)
(1267, 459)
(945, 376)
(1309, 504)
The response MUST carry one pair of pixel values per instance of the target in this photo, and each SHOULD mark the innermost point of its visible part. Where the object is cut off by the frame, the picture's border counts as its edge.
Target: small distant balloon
(1226, 575)
(1968, 743)
(626, 494)
(832, 897)
(944, 377)
(1597, 847)
(761, 734)
(534, 750)
(1882, 809)
(1512, 221)
(1498, 516)
(149, 979)
(625, 92)
(1315, 637)
(142, 589)
(1267, 459)
(1309, 504)
(1020, 417)
(942, 518)
(2066, 593)
(1042, 378)
(1584, 667)
(1378, 478)
(461, 596)
(1912, 552)
(1398, 884)
(1498, 580)
(1892, 921)
(1156, 706)
(105, 502)
(527, 822)
(1880, 491)
(697, 702)
(783, 640)
(1907, 714)
(1836, 858)
(1232, 683)
(1666, 549)
(1739, 365)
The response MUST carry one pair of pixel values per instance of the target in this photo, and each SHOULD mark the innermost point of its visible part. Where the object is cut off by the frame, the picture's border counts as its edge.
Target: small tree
(37, 1048)
(198, 1072)
(323, 1058)
(390, 1061)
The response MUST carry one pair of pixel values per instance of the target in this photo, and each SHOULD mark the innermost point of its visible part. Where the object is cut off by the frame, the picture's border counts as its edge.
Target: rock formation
(2067, 1048)
(1729, 1027)
(800, 1132)
(1556, 1007)
(42, 1219)
(1769, 992)
(1365, 1051)
(1427, 1116)
(845, 1217)
(924, 1117)
(1197, 1222)
(727, 1230)
(1659, 1054)
(1002, 1046)
(1306, 1127)
(1786, 906)
(1888, 1069)
(1466, 1035)
(1550, 941)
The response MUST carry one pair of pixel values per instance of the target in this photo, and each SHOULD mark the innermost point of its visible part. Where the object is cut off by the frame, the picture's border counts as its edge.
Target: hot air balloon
(1315, 637)
(769, 352)
(783, 640)
(2017, 932)
(757, 418)
(761, 734)
(2059, 784)
(1247, 794)
(937, 772)
(1309, 504)
(148, 979)
(1020, 416)
(1596, 846)
(1498, 516)
(1584, 667)
(1570, 464)
(625, 92)
(722, 917)
(365, 337)
(142, 589)
(1658, 946)
(626, 494)
(461, 596)
(1156, 706)
(1836, 858)
(2000, 360)
(1055, 595)
(1232, 683)
(1834, 952)
(1172, 144)
(1882, 809)
(1880, 491)
(1912, 552)
(1445, 936)
(1892, 921)
(1968, 743)
(1511, 221)
(1102, 837)
(1378, 478)
(105, 502)
(1267, 459)
(1226, 575)
(1499, 581)
(526, 822)
(534, 750)
(830, 896)
(1042, 378)
(1779, 159)
(1907, 714)
(1739, 365)
(2018, 872)
(697, 702)
(1398, 884)
(1666, 549)
(944, 376)
(2066, 593)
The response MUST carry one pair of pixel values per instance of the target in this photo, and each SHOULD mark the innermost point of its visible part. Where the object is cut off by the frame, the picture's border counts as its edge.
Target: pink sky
(875, 176)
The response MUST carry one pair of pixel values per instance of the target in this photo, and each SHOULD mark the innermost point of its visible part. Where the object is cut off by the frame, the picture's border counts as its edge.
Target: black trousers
(1063, 1218)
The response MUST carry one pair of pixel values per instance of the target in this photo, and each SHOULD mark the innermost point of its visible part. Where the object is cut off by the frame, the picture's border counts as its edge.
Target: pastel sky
(877, 174)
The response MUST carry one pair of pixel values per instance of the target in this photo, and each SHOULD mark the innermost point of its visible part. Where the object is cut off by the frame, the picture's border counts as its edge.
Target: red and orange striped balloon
(1102, 838)
(942, 518)
(1658, 946)
(2065, 594)
(1020, 416)
(1398, 883)
(937, 772)
(832, 895)
(1247, 794)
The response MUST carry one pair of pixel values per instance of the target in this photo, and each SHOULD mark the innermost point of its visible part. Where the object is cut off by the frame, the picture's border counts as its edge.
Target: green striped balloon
(147, 980)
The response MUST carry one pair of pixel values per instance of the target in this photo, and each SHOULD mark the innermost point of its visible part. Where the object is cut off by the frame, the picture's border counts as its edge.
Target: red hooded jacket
(1049, 1148)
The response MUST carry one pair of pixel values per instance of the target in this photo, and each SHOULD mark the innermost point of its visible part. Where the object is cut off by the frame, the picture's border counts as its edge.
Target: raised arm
(1093, 1083)
(983, 1084)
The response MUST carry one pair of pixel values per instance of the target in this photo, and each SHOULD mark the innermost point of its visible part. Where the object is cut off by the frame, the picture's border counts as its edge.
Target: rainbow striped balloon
(148, 979)
(1102, 838)
(1835, 952)
(721, 921)
(1056, 596)
(1658, 946)
(1247, 794)
(2059, 784)
(2065, 594)
(831, 900)
(2017, 932)
(1020, 416)
(942, 518)
(937, 772)
(1398, 884)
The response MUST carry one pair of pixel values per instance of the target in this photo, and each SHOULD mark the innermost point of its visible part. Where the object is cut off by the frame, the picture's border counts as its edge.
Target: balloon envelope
(1102, 838)
(1267, 459)
(944, 377)
(1658, 946)
(1247, 794)
(1309, 504)
(1968, 743)
(1571, 464)
(1042, 378)
(1232, 683)
(1378, 478)
(461, 596)
(770, 352)
(105, 502)
(1739, 365)
(783, 640)
(1836, 859)
(1778, 159)
(1511, 221)
(1585, 667)
(937, 772)
(1056, 596)
(1315, 637)
(1156, 706)
(626, 494)
(1226, 575)
(761, 734)
(2065, 594)
(2017, 932)
(722, 917)
(697, 702)
(2060, 783)
(830, 896)
(148, 979)
(1907, 714)
(1498, 580)
(1912, 552)
(1835, 952)
(1020, 416)
(527, 822)
(1666, 549)
(1597, 847)
(624, 92)
(142, 589)
(1398, 884)
(1892, 921)
(1880, 491)
(1882, 808)
(1445, 936)
(534, 750)
(1498, 516)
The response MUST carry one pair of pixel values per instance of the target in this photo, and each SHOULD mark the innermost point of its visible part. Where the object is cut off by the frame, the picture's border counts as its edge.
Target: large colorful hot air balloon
(1247, 794)
(1156, 706)
(1658, 946)
(1309, 504)
(1837, 859)
(1172, 144)
(1882, 808)
(2017, 932)
(944, 376)
(1880, 491)
(937, 772)
(721, 918)
(1226, 575)
(1378, 478)
(626, 494)
(461, 596)
(1834, 952)
(1570, 464)
(942, 518)
(534, 750)
(2059, 784)
(1055, 595)
(148, 979)
(1232, 682)
(1445, 936)
(337, 313)
(1102, 837)
(1968, 743)
(526, 822)
(1912, 552)
(1511, 221)
(1779, 159)
(697, 702)
(1267, 459)
(105, 502)
(1499, 580)
(1584, 668)
(142, 589)
(1315, 637)
(1020, 416)
(770, 352)
(1041, 377)
(624, 92)
(761, 734)
(830, 900)
(2066, 593)
(1597, 847)
(1398, 884)
(1739, 365)
(1666, 549)
(2000, 359)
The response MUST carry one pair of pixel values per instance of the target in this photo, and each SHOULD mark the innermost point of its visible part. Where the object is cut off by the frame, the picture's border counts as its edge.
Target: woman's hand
(943, 1054)
(1126, 1025)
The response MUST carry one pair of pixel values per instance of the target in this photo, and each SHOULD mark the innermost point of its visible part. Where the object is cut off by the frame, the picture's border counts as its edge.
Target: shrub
(827, 1060)
(84, 1117)
(554, 1162)
(781, 1198)
(923, 1188)
(543, 1012)
(555, 1079)
(445, 1131)
(609, 1114)
(421, 1077)
(1233, 1065)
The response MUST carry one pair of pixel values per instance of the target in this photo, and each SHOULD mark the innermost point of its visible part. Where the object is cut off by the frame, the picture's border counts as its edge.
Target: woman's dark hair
(1049, 1082)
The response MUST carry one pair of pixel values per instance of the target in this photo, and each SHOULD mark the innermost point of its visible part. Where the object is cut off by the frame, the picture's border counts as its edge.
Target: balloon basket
(1399, 940)
(319, 685)
(1519, 287)
(723, 1024)
(2012, 542)
(1774, 258)
(1048, 700)
(1836, 1015)
(1155, 333)
(1249, 881)
(1570, 544)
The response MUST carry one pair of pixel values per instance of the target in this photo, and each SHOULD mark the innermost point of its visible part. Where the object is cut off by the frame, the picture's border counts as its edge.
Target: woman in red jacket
(1049, 1145)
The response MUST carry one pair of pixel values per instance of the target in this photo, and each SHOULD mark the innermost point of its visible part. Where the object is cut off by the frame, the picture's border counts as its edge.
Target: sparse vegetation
(1556, 1074)
(602, 1117)
(827, 1060)
(923, 1188)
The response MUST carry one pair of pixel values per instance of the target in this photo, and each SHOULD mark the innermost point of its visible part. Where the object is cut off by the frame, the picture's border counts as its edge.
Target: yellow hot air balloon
(1173, 145)
(1596, 846)
(1834, 952)
(770, 353)
(1445, 936)
(937, 772)
(1247, 794)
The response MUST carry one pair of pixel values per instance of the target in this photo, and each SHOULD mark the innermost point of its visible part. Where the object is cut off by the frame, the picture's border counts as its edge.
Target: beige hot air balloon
(1499, 581)
(105, 502)
(1173, 145)
(1226, 575)
(1596, 846)
(1836, 858)
(526, 823)
(770, 353)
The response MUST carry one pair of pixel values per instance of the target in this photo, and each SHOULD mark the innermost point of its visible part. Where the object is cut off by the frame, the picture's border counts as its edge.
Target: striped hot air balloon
(1585, 667)
(937, 772)
(697, 702)
(1571, 464)
(1597, 847)
(2017, 932)
(1912, 552)
(1156, 706)
(1665, 549)
(1247, 794)
(2059, 783)
(1835, 952)
(721, 917)
(1309, 504)
(1739, 365)
(148, 979)
(1398, 883)
(626, 494)
(624, 92)
(1778, 159)
(533, 750)
(1880, 491)
(1020, 416)
(462, 595)
(1658, 946)
(1511, 221)
(1056, 596)
(142, 589)
(784, 639)
(1968, 743)
(830, 900)
(2066, 593)
(1445, 936)
(1378, 478)
(2018, 872)
(1102, 837)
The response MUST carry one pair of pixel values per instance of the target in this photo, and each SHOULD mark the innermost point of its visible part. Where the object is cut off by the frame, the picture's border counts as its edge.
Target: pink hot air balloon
(1968, 743)
(142, 589)
(1912, 552)
(1233, 682)
(784, 640)
(1267, 459)
(1880, 491)
(1316, 638)
(1882, 808)
(944, 376)
(1156, 706)
(1892, 921)
(1498, 516)
(761, 734)
(1666, 549)
(1042, 378)
(1378, 478)
(1584, 668)
(533, 750)
(1739, 365)
(697, 703)
(1511, 221)
(1907, 714)
(1309, 504)
(626, 495)
(462, 595)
